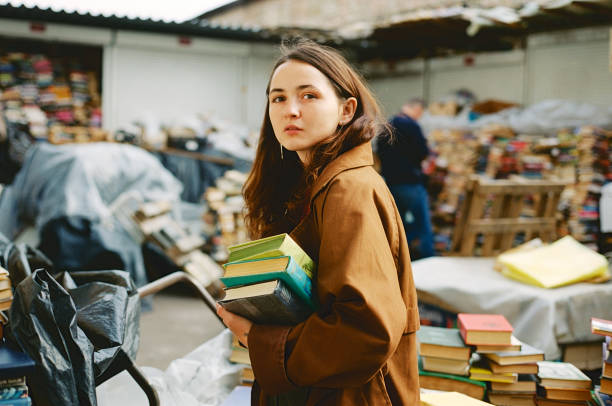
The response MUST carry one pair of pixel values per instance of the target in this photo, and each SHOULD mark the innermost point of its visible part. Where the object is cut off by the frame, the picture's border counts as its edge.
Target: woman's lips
(292, 129)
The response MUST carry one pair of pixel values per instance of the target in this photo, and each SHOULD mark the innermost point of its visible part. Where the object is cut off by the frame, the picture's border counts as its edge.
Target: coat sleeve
(363, 315)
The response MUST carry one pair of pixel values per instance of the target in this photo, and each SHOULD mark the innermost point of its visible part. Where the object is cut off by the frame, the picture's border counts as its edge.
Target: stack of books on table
(562, 384)
(604, 391)
(240, 355)
(508, 365)
(14, 367)
(445, 362)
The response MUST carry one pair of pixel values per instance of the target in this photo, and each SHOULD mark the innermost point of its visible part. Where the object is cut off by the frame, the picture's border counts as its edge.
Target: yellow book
(450, 398)
(563, 262)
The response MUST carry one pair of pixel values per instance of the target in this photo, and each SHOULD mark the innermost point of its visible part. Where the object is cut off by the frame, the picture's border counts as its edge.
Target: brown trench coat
(359, 348)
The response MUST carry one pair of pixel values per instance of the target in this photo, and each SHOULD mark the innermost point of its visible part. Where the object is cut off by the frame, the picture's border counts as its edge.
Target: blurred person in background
(401, 157)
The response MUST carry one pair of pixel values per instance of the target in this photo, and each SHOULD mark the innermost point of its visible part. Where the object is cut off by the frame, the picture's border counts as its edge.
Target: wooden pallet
(494, 208)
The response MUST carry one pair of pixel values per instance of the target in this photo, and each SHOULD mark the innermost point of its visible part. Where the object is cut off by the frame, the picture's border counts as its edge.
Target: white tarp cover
(81, 180)
(543, 318)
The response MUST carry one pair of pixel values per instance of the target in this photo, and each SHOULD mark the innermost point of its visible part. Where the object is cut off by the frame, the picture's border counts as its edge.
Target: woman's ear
(348, 108)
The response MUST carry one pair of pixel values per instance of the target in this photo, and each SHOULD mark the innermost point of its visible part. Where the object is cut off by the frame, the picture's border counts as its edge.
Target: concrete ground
(178, 323)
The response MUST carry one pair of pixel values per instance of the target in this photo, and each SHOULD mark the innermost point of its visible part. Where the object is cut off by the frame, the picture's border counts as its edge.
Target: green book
(267, 269)
(274, 246)
(442, 343)
(450, 383)
(562, 375)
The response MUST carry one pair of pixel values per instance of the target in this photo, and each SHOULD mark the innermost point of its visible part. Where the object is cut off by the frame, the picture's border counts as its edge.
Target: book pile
(604, 328)
(504, 362)
(240, 355)
(155, 224)
(62, 94)
(580, 157)
(14, 366)
(562, 384)
(269, 281)
(226, 211)
(6, 296)
(445, 362)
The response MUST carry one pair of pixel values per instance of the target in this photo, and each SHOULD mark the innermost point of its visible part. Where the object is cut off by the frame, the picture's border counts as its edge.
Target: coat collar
(359, 156)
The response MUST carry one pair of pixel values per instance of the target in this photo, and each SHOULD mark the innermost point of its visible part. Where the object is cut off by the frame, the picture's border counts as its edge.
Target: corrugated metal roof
(192, 27)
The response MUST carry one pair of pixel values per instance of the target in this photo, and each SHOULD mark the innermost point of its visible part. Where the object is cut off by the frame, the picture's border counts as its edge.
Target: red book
(487, 329)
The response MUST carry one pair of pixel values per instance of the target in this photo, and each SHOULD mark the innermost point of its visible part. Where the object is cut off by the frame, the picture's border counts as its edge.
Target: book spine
(16, 402)
(462, 329)
(14, 392)
(303, 282)
(296, 252)
(4, 383)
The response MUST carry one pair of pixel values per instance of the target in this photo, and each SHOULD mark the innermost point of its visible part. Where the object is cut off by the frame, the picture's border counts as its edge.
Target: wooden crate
(495, 209)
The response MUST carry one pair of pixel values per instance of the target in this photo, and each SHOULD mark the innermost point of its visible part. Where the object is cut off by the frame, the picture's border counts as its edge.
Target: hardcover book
(449, 366)
(492, 329)
(527, 354)
(450, 398)
(562, 375)
(274, 246)
(526, 383)
(518, 368)
(483, 374)
(270, 302)
(13, 363)
(512, 399)
(601, 326)
(515, 345)
(267, 269)
(442, 343)
(452, 383)
(566, 393)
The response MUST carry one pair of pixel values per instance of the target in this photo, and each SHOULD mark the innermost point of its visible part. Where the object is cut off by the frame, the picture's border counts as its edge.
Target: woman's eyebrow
(300, 87)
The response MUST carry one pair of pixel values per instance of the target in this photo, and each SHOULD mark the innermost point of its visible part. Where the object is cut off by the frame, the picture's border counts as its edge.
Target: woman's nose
(293, 108)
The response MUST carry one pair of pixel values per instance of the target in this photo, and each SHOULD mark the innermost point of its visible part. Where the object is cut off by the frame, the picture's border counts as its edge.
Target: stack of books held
(604, 391)
(480, 358)
(268, 281)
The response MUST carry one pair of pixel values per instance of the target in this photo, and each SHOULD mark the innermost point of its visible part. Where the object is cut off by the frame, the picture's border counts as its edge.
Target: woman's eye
(277, 99)
(309, 96)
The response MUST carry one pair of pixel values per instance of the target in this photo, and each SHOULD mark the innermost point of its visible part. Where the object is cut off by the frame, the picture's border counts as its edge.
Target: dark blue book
(13, 363)
(270, 302)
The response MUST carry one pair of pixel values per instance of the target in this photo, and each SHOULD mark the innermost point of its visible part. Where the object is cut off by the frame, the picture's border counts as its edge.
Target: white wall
(154, 75)
(572, 65)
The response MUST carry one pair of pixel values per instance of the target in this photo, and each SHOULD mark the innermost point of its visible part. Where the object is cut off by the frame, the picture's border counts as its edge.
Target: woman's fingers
(237, 324)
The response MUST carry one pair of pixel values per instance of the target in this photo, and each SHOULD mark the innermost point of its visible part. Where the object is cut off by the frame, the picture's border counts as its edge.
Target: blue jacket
(402, 155)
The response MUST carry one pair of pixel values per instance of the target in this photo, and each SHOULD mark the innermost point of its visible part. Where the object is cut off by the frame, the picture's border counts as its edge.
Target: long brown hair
(278, 188)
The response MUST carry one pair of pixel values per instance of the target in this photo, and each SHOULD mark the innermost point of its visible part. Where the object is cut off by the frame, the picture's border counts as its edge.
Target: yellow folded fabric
(563, 262)
(450, 399)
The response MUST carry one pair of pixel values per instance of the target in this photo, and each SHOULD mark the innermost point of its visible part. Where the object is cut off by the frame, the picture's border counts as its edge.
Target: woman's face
(304, 107)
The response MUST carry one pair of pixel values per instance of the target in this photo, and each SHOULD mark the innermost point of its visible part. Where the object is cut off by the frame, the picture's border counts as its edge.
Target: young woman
(313, 178)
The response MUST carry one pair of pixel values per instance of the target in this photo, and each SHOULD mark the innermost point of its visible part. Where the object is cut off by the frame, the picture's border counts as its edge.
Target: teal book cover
(293, 275)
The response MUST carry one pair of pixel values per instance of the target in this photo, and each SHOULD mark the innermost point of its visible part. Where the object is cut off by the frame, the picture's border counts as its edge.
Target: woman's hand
(237, 324)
